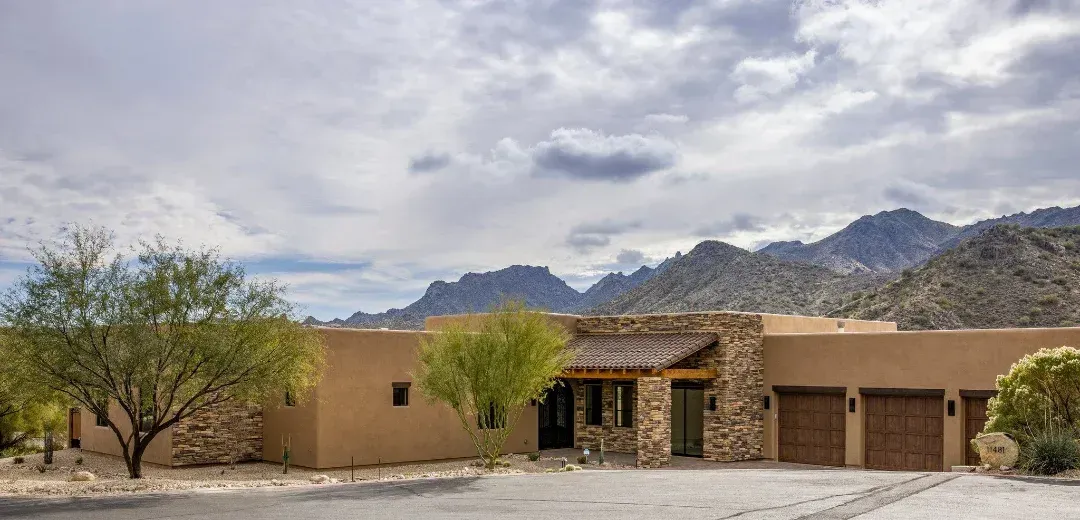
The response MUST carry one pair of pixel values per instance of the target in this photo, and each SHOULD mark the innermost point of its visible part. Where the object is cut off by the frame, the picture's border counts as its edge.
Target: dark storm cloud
(588, 155)
(429, 162)
(630, 257)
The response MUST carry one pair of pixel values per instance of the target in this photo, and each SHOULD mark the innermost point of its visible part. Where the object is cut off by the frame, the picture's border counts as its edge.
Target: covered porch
(646, 394)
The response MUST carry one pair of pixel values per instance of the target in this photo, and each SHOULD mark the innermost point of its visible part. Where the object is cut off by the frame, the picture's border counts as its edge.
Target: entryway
(556, 417)
(687, 419)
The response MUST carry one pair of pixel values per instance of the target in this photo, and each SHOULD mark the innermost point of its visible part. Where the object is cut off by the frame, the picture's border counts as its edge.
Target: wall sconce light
(952, 408)
(851, 404)
(712, 403)
(765, 402)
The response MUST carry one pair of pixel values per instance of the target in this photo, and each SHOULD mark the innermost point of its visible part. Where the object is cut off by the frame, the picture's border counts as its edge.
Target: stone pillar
(653, 419)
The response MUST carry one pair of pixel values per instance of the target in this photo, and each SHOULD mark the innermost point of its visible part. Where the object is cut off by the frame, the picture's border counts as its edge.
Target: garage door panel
(812, 428)
(912, 431)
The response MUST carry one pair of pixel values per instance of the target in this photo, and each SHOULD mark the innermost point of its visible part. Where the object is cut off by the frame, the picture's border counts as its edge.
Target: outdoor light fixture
(851, 404)
(766, 402)
(952, 408)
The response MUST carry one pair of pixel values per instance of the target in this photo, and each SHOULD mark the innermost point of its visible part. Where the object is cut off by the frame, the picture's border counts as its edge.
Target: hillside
(719, 276)
(891, 241)
(886, 242)
(1007, 276)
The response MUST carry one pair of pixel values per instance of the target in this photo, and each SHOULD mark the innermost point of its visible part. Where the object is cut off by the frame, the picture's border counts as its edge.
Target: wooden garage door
(974, 422)
(812, 428)
(904, 432)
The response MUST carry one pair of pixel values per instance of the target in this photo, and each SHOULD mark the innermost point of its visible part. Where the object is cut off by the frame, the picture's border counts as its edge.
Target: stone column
(653, 419)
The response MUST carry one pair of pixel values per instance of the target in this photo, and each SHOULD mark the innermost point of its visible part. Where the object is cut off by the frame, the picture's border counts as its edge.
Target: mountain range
(783, 277)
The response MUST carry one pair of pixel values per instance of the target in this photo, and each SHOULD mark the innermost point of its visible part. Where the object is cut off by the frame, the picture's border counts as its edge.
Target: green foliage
(582, 459)
(79, 460)
(1041, 391)
(160, 334)
(534, 456)
(18, 460)
(27, 410)
(488, 367)
(1050, 300)
(1050, 452)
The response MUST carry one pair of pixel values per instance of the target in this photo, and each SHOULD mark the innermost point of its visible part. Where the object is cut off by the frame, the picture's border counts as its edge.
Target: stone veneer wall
(652, 414)
(735, 431)
(228, 432)
(618, 439)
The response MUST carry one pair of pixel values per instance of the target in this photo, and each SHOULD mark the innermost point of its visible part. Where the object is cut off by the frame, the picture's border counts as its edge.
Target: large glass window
(594, 404)
(624, 405)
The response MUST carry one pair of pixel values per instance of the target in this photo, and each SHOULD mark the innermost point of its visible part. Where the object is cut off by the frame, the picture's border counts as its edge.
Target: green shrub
(1050, 299)
(582, 459)
(18, 460)
(1023, 406)
(1035, 311)
(947, 284)
(1062, 281)
(534, 456)
(980, 291)
(79, 460)
(1050, 453)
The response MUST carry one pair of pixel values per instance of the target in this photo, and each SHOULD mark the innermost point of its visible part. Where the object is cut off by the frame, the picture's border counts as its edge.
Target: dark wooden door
(904, 432)
(812, 429)
(974, 421)
(556, 418)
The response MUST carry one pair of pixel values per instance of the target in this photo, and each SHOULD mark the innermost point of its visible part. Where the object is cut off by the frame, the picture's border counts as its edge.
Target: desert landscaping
(110, 475)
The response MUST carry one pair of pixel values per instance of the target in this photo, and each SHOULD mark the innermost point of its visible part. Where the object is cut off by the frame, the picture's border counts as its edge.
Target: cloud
(589, 236)
(762, 78)
(630, 257)
(285, 134)
(428, 162)
(589, 155)
(739, 222)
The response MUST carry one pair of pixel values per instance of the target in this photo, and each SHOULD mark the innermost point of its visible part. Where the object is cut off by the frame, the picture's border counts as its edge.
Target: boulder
(82, 476)
(997, 449)
(320, 479)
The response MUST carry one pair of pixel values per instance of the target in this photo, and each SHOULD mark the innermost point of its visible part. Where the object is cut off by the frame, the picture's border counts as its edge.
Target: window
(594, 405)
(290, 400)
(401, 394)
(624, 405)
(493, 419)
(99, 419)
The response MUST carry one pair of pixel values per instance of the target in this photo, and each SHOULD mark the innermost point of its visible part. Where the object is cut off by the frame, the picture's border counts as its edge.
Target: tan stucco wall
(101, 439)
(782, 324)
(352, 412)
(568, 321)
(949, 360)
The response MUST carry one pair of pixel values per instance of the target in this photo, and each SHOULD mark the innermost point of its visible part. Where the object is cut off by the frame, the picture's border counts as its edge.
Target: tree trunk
(135, 462)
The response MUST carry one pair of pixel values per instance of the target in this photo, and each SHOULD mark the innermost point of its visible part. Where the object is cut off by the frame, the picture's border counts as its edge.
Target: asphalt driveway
(712, 494)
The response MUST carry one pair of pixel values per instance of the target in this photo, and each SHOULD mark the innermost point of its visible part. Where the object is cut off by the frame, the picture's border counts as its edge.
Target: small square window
(594, 405)
(290, 400)
(401, 394)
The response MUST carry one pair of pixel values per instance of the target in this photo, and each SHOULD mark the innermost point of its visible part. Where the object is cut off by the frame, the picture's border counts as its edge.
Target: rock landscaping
(99, 474)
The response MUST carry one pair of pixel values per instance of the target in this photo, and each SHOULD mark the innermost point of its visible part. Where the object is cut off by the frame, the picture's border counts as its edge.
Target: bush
(1050, 300)
(1050, 453)
(1040, 391)
(41, 468)
(18, 460)
(79, 460)
(534, 456)
(582, 459)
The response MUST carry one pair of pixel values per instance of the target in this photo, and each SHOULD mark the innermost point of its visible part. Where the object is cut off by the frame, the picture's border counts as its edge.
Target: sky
(359, 150)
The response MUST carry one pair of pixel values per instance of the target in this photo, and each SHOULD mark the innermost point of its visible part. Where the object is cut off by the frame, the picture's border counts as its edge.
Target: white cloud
(766, 77)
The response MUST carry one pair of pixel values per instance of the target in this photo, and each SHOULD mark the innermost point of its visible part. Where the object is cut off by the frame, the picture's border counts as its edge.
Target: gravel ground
(26, 480)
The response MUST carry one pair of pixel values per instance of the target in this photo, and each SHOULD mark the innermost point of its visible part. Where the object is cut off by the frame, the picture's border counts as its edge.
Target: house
(723, 386)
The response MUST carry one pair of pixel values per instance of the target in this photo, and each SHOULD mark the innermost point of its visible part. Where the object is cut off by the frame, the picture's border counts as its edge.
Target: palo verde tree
(157, 337)
(488, 367)
(1040, 393)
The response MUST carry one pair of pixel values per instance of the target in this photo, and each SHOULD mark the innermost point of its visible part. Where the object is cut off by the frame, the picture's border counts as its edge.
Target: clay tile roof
(654, 351)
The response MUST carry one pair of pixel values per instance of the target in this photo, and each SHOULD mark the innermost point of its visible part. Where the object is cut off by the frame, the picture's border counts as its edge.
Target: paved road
(712, 494)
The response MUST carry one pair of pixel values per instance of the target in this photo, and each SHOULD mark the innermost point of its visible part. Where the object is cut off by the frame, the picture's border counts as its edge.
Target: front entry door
(556, 418)
(687, 421)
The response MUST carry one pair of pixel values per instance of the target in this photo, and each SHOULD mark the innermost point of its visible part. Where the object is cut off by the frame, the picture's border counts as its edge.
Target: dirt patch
(26, 479)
